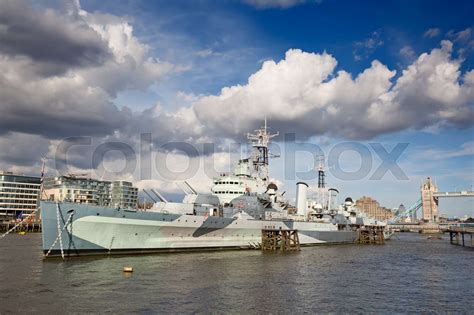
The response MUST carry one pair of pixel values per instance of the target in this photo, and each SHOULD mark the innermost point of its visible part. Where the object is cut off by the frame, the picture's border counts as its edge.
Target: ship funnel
(301, 191)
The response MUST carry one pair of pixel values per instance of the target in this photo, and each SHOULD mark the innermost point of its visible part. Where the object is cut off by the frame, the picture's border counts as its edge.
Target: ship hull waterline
(93, 230)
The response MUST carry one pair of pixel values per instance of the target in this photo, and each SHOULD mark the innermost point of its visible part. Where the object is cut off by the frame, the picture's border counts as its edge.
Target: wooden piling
(371, 234)
(283, 240)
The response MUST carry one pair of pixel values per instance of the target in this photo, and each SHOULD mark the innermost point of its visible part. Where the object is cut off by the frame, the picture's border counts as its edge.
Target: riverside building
(81, 189)
(372, 208)
(18, 195)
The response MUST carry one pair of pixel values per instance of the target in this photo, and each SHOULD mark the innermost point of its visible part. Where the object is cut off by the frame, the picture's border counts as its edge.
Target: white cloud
(56, 97)
(430, 90)
(364, 48)
(303, 94)
(281, 4)
(132, 67)
(22, 151)
(463, 41)
(466, 149)
(55, 41)
(407, 52)
(432, 32)
(197, 171)
(461, 36)
(203, 53)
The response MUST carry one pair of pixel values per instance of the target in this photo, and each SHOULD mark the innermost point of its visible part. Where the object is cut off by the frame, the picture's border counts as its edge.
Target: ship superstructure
(233, 215)
(250, 174)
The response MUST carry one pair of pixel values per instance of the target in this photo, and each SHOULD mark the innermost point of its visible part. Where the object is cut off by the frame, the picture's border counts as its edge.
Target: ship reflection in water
(408, 274)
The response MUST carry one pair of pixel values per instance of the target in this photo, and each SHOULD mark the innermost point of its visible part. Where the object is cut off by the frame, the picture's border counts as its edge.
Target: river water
(408, 274)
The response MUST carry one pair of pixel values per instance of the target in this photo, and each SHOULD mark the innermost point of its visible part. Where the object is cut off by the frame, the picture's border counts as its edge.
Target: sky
(138, 90)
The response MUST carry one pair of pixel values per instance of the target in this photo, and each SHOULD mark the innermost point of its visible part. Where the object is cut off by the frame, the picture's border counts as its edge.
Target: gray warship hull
(79, 229)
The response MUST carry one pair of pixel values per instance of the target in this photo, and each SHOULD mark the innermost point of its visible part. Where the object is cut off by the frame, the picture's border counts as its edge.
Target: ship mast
(260, 140)
(321, 175)
(323, 195)
(42, 193)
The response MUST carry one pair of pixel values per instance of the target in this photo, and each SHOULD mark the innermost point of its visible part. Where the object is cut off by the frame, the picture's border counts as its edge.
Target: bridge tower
(429, 202)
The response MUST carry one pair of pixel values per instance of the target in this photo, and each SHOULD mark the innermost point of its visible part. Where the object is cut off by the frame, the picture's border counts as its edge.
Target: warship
(232, 216)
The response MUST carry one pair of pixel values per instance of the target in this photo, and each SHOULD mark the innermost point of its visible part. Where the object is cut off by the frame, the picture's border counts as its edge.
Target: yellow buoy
(22, 233)
(127, 269)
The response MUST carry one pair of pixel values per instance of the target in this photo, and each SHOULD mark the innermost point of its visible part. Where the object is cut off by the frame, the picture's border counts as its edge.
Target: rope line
(18, 224)
(68, 221)
(59, 230)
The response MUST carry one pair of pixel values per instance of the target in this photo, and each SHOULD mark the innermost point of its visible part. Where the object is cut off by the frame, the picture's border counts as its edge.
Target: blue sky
(207, 70)
(176, 30)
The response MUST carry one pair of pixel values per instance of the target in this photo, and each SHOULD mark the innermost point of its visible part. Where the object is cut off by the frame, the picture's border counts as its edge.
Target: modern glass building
(81, 189)
(18, 195)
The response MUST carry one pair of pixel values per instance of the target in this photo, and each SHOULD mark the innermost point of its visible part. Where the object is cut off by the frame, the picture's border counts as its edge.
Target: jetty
(24, 227)
(461, 236)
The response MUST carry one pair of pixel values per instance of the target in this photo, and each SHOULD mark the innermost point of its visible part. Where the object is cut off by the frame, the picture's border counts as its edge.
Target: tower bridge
(428, 202)
(463, 193)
